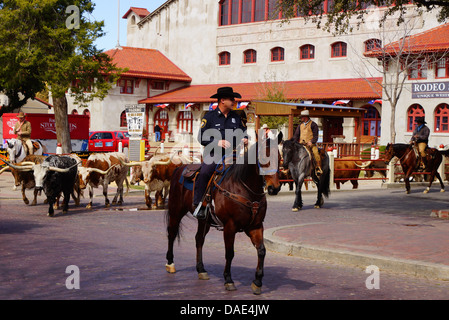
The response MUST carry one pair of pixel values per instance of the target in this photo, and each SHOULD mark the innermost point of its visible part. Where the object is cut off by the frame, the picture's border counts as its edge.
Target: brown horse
(239, 205)
(408, 158)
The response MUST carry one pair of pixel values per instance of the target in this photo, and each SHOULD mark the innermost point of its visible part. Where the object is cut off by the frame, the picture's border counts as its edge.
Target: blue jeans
(158, 136)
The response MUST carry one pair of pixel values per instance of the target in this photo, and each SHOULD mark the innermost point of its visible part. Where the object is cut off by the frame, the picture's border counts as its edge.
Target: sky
(107, 10)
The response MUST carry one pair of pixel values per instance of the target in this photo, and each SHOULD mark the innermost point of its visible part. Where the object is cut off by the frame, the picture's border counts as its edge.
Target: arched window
(185, 122)
(250, 56)
(442, 118)
(338, 49)
(74, 111)
(277, 54)
(307, 51)
(372, 44)
(224, 58)
(123, 122)
(414, 111)
(371, 122)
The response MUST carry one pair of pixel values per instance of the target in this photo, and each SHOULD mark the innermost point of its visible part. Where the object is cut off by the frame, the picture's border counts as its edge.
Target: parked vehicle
(108, 141)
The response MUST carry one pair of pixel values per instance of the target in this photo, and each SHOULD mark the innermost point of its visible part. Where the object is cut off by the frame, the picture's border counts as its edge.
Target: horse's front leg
(407, 175)
(229, 238)
(203, 229)
(319, 201)
(297, 205)
(256, 237)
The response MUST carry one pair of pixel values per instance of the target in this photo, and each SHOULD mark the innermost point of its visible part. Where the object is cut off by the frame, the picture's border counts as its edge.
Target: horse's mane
(239, 170)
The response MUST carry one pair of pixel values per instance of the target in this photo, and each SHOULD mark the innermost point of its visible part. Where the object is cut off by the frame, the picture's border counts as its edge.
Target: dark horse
(239, 204)
(297, 160)
(408, 158)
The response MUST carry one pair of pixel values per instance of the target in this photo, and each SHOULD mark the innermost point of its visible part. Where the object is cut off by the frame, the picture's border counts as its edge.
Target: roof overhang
(270, 108)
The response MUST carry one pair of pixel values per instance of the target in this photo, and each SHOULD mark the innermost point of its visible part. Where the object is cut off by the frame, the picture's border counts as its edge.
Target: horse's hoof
(26, 201)
(407, 192)
(64, 212)
(203, 276)
(296, 209)
(170, 268)
(426, 191)
(256, 290)
(230, 286)
(317, 206)
(442, 190)
(50, 214)
(89, 206)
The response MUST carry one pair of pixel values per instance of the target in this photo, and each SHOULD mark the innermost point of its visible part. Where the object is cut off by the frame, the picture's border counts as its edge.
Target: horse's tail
(173, 210)
(325, 178)
(444, 152)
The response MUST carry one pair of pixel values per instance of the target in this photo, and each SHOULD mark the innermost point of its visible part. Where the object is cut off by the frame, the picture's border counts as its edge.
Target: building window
(185, 122)
(371, 122)
(373, 44)
(418, 69)
(413, 112)
(74, 111)
(123, 122)
(224, 58)
(161, 119)
(338, 50)
(442, 68)
(158, 85)
(250, 56)
(126, 86)
(277, 54)
(442, 118)
(307, 51)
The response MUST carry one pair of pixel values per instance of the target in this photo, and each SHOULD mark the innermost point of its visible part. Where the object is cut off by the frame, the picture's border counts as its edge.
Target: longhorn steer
(54, 175)
(156, 174)
(26, 178)
(345, 170)
(100, 170)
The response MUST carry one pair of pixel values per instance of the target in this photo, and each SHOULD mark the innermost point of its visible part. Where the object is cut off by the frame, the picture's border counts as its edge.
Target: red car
(108, 141)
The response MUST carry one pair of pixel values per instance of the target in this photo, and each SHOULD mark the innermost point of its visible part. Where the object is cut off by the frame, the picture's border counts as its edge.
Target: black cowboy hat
(226, 92)
(420, 120)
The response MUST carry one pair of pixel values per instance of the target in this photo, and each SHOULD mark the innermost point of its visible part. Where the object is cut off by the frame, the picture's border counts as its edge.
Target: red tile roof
(141, 12)
(146, 63)
(335, 89)
(432, 40)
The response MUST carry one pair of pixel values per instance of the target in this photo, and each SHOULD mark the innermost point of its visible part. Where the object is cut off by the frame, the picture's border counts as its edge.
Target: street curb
(360, 260)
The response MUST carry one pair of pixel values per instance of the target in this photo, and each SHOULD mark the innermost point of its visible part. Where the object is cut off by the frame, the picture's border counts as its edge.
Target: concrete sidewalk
(401, 243)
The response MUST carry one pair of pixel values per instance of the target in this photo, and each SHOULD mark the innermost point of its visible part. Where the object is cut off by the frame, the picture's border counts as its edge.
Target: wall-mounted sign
(427, 90)
(135, 118)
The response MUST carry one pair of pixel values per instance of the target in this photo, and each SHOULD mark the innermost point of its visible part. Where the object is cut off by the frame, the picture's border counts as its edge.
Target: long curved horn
(22, 168)
(4, 169)
(130, 164)
(163, 163)
(27, 163)
(102, 171)
(63, 169)
(364, 165)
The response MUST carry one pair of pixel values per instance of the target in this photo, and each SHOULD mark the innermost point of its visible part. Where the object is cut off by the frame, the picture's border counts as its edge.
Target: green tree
(51, 43)
(341, 12)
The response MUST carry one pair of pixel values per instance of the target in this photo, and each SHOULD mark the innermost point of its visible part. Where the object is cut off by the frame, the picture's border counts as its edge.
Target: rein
(253, 205)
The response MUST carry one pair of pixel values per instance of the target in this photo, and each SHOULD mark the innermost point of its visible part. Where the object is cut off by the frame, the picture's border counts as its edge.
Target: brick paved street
(120, 252)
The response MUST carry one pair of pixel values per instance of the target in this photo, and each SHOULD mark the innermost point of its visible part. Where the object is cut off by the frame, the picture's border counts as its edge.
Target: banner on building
(43, 126)
(135, 118)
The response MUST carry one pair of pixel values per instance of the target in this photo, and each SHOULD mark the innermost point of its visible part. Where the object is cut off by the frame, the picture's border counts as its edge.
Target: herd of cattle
(67, 175)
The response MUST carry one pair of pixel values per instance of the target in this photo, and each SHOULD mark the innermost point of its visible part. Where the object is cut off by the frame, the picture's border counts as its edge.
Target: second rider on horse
(22, 129)
(420, 138)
